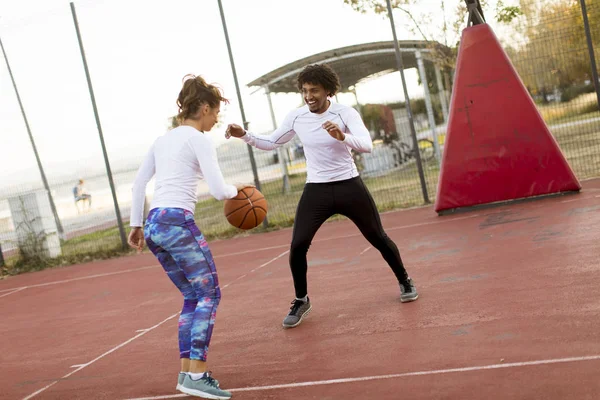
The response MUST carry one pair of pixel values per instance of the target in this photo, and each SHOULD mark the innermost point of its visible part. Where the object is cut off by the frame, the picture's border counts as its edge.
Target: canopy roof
(352, 63)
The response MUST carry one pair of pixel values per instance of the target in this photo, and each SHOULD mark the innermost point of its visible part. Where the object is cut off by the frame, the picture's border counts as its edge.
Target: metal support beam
(411, 123)
(59, 226)
(590, 45)
(281, 153)
(240, 102)
(441, 92)
(475, 13)
(106, 161)
(428, 105)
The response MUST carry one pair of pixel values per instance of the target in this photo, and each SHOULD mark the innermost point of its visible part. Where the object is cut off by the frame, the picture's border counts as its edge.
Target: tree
(420, 23)
(554, 53)
(380, 119)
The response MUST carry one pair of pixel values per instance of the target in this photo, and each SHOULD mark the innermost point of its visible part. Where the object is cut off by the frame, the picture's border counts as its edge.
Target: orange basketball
(247, 210)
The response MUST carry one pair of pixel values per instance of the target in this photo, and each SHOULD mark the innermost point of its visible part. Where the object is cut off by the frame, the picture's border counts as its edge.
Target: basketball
(247, 210)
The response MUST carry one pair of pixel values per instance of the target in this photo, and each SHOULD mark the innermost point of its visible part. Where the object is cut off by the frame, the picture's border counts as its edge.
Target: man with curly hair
(329, 132)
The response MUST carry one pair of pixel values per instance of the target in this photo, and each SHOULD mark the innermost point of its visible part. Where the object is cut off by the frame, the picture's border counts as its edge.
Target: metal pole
(590, 45)
(441, 92)
(428, 106)
(408, 109)
(280, 150)
(92, 97)
(448, 92)
(59, 226)
(239, 96)
(357, 102)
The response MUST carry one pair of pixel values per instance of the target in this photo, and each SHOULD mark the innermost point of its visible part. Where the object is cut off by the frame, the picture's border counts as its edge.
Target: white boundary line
(142, 332)
(240, 253)
(13, 291)
(80, 278)
(396, 376)
(257, 268)
(82, 366)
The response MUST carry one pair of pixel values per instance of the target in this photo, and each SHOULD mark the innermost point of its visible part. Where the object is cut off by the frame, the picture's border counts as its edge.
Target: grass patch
(569, 111)
(99, 245)
(581, 146)
(18, 264)
(399, 188)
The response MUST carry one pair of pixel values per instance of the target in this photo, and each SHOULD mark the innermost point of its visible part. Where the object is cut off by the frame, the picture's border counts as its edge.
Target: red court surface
(509, 308)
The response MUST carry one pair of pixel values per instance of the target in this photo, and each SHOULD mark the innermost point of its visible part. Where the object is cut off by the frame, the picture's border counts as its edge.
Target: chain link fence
(546, 41)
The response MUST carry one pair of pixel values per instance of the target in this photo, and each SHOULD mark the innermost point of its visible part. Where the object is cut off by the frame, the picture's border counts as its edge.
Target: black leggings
(350, 198)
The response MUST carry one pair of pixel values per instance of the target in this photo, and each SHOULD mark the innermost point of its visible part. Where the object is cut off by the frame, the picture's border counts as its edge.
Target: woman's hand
(136, 238)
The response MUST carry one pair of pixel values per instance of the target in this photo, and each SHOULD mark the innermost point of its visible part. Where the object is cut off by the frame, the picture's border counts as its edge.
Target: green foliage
(555, 54)
(379, 117)
(506, 14)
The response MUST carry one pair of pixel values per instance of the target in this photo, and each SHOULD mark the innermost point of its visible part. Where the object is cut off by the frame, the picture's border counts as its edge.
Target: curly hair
(194, 93)
(320, 74)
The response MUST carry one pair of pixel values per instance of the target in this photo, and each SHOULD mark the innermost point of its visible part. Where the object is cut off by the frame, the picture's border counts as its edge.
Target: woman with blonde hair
(178, 159)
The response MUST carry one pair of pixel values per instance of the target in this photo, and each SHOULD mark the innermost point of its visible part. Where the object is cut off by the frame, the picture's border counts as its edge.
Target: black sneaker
(408, 291)
(298, 311)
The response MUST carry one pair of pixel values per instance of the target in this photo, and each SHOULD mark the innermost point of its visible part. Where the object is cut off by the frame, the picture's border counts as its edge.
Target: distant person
(329, 132)
(81, 194)
(179, 159)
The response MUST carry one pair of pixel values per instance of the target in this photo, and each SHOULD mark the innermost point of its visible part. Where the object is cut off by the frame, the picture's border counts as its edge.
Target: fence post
(428, 106)
(239, 96)
(408, 109)
(108, 170)
(59, 226)
(590, 45)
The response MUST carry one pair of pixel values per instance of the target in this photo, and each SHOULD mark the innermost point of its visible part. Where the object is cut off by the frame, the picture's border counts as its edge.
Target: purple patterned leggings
(180, 247)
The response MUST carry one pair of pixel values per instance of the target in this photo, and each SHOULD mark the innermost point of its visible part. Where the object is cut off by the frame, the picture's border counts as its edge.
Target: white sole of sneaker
(300, 320)
(409, 300)
(204, 395)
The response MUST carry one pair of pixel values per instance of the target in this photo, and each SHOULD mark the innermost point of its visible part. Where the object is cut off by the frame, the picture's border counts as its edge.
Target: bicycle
(406, 152)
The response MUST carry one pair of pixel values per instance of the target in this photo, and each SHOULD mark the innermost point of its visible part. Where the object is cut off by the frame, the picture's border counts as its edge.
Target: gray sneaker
(408, 291)
(298, 311)
(206, 387)
(180, 379)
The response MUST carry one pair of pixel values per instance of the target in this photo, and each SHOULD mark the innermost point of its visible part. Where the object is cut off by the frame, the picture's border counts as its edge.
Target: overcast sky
(138, 52)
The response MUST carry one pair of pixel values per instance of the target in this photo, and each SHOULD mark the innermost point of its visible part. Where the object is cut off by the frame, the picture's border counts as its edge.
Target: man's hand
(334, 130)
(136, 238)
(235, 131)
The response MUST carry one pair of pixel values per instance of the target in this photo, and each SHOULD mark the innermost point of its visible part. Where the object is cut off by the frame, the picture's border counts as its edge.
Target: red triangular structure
(497, 147)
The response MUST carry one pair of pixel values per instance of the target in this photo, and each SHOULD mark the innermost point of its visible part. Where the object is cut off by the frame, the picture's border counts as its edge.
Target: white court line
(13, 291)
(365, 250)
(395, 376)
(257, 268)
(80, 278)
(348, 236)
(141, 333)
(82, 366)
(401, 227)
(239, 253)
